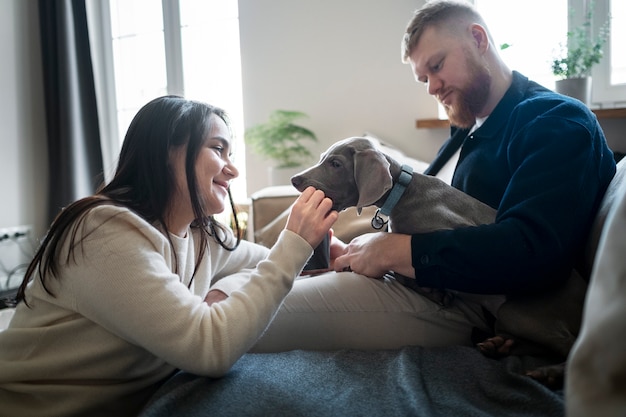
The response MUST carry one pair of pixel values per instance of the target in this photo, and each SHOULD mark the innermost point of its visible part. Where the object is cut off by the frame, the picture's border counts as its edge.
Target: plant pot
(579, 88)
(282, 176)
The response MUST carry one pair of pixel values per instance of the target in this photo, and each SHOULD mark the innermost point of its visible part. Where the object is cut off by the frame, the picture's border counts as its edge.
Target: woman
(129, 284)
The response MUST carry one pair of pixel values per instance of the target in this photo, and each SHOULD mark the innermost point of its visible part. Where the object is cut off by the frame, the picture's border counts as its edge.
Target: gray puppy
(354, 173)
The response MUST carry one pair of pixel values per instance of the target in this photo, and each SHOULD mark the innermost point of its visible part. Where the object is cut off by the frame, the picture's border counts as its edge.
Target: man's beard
(471, 98)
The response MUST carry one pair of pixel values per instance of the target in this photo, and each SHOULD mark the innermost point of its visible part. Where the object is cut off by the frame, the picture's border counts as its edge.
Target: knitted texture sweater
(125, 314)
(540, 159)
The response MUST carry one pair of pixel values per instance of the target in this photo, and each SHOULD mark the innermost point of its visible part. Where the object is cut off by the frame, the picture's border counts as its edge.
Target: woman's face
(214, 171)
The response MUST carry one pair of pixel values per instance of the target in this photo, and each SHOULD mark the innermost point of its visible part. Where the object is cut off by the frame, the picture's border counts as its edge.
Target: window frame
(100, 35)
(603, 93)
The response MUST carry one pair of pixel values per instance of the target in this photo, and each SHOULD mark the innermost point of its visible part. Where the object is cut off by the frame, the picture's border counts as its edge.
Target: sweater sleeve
(121, 278)
(554, 174)
(247, 256)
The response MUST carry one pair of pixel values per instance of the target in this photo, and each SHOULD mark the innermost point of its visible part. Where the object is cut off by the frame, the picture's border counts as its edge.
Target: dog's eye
(334, 163)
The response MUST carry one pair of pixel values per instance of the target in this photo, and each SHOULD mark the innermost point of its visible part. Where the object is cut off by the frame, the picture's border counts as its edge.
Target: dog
(354, 173)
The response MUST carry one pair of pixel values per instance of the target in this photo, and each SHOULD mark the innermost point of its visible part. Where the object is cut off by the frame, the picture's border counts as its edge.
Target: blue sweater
(540, 159)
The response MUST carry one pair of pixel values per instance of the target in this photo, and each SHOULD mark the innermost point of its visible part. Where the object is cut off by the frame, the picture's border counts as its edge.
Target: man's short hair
(434, 13)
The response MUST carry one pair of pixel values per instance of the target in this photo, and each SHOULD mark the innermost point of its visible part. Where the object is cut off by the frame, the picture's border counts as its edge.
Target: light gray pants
(346, 310)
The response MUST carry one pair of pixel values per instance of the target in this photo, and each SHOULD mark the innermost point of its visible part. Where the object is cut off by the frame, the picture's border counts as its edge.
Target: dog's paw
(496, 347)
(551, 376)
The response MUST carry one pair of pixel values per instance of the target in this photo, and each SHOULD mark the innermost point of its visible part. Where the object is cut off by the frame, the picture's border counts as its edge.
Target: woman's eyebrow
(225, 143)
(222, 139)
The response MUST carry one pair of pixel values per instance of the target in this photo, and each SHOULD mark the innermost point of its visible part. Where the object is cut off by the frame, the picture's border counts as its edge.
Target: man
(538, 157)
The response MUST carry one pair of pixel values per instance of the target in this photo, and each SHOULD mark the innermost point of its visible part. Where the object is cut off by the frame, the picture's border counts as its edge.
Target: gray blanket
(413, 381)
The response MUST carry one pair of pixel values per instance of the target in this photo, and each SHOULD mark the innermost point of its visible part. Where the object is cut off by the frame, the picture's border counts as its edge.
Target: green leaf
(280, 139)
(582, 51)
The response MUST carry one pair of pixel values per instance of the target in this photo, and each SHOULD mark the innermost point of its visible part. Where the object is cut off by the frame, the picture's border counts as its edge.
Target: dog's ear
(372, 177)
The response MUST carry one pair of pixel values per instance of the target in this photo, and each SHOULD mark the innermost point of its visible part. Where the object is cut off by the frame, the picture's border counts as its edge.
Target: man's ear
(481, 39)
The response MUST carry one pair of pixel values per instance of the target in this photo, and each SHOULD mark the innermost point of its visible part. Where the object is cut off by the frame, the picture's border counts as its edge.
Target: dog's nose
(296, 181)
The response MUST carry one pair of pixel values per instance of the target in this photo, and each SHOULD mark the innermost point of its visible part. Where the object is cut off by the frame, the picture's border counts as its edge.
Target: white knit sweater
(121, 320)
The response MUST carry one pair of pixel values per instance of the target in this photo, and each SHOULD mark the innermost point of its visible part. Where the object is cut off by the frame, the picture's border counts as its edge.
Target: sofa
(416, 381)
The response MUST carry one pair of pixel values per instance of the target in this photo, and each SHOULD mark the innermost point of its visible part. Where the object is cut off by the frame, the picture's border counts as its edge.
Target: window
(515, 23)
(532, 28)
(609, 77)
(535, 36)
(148, 48)
(618, 33)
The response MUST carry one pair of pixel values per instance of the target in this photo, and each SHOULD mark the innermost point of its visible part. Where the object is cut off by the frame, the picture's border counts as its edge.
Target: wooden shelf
(618, 113)
(431, 123)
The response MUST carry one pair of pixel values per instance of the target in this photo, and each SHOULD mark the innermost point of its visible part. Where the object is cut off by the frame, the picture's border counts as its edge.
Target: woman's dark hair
(143, 181)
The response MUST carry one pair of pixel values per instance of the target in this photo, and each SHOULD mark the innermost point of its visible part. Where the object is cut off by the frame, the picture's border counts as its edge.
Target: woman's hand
(311, 216)
(215, 296)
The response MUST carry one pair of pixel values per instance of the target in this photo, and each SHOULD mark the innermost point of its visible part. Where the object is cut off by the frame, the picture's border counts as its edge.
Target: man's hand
(337, 248)
(375, 254)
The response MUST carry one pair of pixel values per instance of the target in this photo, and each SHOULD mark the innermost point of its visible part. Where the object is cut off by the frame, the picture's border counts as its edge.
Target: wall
(339, 62)
(614, 130)
(23, 168)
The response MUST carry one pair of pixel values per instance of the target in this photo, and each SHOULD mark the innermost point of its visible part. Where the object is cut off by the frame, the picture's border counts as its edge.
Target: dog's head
(352, 173)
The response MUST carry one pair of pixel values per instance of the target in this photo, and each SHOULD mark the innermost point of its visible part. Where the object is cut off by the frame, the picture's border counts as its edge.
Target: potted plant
(573, 62)
(281, 140)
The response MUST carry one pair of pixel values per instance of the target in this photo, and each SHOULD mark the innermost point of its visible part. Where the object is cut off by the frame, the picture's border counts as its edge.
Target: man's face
(453, 72)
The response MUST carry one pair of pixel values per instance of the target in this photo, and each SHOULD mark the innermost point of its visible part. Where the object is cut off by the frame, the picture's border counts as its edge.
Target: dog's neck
(395, 169)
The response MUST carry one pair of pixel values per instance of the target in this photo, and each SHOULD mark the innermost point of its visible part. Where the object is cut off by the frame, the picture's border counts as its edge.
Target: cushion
(613, 193)
(268, 203)
(397, 154)
(596, 374)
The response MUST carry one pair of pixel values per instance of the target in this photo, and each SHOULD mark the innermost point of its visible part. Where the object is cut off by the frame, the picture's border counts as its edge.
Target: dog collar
(406, 175)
